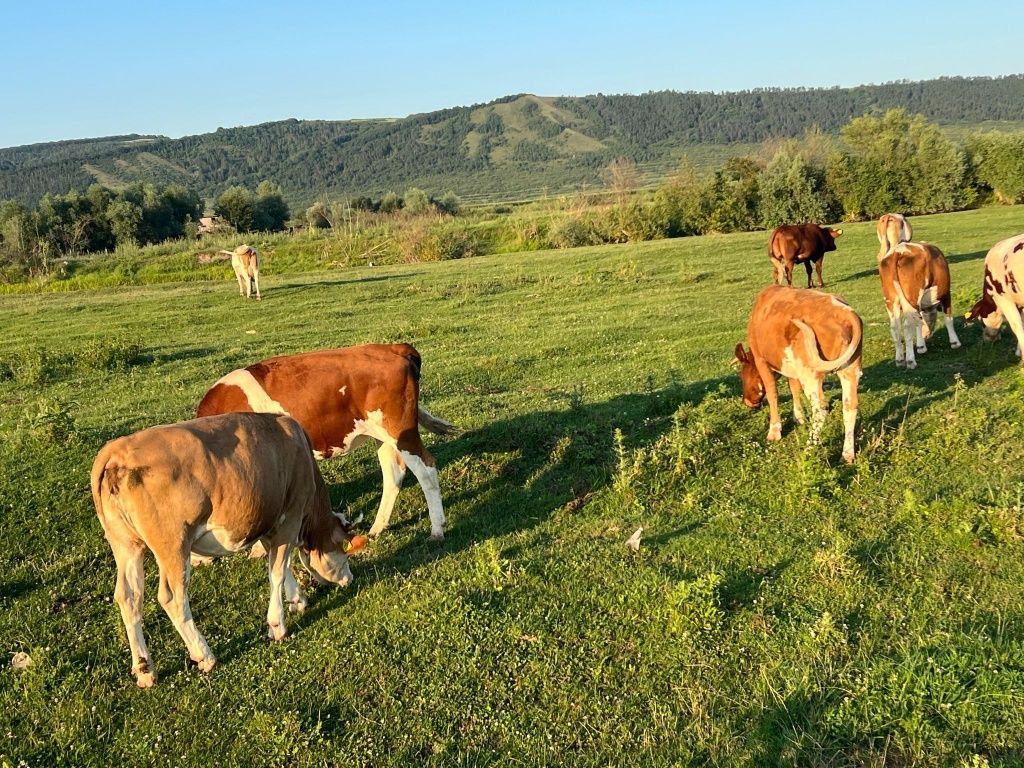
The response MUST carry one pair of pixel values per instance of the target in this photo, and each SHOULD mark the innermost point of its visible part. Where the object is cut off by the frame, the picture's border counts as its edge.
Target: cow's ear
(837, 232)
(741, 355)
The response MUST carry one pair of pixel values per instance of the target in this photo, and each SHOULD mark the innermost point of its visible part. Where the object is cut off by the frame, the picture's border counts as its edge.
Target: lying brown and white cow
(246, 262)
(213, 486)
(1002, 293)
(800, 243)
(803, 335)
(343, 397)
(892, 228)
(915, 285)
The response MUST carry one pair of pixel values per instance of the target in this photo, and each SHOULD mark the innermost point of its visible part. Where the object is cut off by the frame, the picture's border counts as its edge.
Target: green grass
(784, 608)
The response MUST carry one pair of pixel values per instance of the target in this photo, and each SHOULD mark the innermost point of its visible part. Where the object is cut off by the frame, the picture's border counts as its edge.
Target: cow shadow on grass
(531, 466)
(938, 372)
(333, 283)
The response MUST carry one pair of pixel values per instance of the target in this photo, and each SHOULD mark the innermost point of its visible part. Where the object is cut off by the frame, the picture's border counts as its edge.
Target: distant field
(784, 608)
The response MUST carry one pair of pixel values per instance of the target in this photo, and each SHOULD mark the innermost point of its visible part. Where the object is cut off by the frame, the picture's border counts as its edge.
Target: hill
(518, 146)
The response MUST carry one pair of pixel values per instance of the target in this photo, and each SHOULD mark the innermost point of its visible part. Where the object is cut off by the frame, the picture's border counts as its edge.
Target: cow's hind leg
(818, 411)
(278, 555)
(947, 318)
(393, 472)
(241, 284)
(848, 378)
(421, 462)
(895, 330)
(817, 268)
(256, 284)
(128, 593)
(174, 576)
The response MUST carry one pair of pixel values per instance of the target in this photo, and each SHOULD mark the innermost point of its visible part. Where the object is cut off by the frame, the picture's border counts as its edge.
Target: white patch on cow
(215, 541)
(256, 396)
(929, 297)
(343, 389)
(371, 426)
(792, 367)
(319, 455)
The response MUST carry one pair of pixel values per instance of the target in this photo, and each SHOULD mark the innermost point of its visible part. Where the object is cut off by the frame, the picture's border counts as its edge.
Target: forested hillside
(518, 146)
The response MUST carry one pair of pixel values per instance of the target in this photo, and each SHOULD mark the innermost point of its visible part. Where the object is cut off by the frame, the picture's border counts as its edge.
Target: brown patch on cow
(983, 308)
(990, 280)
(223, 398)
(1018, 246)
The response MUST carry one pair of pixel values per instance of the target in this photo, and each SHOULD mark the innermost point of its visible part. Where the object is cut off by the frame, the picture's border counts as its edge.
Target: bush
(110, 354)
(53, 421)
(575, 232)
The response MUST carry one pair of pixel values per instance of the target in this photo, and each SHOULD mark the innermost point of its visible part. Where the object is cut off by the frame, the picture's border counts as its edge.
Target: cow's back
(771, 330)
(326, 391)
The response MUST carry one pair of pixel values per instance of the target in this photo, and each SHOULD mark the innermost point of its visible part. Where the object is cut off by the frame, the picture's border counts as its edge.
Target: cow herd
(805, 334)
(243, 474)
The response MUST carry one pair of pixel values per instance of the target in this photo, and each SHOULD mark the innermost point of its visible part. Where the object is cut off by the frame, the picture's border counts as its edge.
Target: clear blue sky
(83, 69)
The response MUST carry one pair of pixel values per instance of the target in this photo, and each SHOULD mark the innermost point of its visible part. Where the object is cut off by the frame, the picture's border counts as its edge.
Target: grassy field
(784, 608)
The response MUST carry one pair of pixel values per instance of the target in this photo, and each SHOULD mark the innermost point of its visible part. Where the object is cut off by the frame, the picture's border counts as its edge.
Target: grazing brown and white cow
(343, 397)
(246, 262)
(892, 228)
(1002, 293)
(803, 335)
(915, 284)
(213, 486)
(800, 243)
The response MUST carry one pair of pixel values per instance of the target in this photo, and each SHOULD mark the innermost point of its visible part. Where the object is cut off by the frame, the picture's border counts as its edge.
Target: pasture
(783, 608)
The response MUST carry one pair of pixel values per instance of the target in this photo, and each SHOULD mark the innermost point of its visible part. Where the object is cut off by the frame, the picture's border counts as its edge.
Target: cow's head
(990, 315)
(829, 235)
(753, 387)
(325, 555)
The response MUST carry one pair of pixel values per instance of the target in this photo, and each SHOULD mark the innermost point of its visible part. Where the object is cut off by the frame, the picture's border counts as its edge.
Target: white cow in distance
(246, 262)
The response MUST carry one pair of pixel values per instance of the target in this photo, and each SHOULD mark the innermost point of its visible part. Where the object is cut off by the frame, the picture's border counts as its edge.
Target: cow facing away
(892, 228)
(915, 285)
(343, 397)
(804, 244)
(246, 262)
(1002, 292)
(803, 335)
(213, 486)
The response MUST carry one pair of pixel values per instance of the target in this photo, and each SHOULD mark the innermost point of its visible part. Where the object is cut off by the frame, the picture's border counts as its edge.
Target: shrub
(110, 354)
(575, 232)
(53, 421)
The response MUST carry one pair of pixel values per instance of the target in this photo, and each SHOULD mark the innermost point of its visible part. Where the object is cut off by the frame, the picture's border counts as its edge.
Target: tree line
(101, 219)
(460, 145)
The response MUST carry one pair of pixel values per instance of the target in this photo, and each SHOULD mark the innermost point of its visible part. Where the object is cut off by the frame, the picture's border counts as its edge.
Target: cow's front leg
(798, 406)
(277, 564)
(292, 592)
(241, 284)
(954, 340)
(256, 285)
(771, 393)
(920, 346)
(392, 472)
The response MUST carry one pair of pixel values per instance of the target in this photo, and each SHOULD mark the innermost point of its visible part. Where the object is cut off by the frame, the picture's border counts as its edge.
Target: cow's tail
(815, 361)
(433, 424)
(103, 469)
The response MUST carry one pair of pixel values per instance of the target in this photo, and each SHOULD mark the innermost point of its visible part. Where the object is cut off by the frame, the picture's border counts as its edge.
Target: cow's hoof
(848, 457)
(437, 536)
(259, 298)
(799, 419)
(900, 363)
(911, 365)
(199, 560)
(775, 433)
(298, 605)
(206, 664)
(920, 350)
(954, 345)
(277, 633)
(145, 679)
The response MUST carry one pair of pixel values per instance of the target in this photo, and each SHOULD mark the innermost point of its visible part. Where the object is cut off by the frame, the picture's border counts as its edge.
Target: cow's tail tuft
(433, 424)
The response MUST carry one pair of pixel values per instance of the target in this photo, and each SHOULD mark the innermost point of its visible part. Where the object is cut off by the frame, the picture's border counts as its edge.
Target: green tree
(236, 205)
(791, 192)
(270, 211)
(998, 162)
(125, 219)
(416, 201)
(390, 203)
